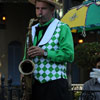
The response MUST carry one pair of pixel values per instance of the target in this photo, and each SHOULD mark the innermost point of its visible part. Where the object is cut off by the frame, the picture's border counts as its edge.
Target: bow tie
(41, 28)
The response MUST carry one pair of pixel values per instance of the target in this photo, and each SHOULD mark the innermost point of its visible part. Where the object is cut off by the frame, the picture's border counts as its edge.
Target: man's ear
(53, 11)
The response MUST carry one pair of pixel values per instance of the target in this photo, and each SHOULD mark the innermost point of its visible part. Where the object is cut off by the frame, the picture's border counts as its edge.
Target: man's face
(98, 65)
(45, 10)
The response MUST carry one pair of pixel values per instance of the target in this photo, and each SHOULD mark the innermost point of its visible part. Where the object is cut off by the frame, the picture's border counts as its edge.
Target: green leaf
(86, 54)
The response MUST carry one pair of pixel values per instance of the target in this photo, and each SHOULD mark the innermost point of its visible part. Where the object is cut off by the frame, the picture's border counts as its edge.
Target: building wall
(18, 16)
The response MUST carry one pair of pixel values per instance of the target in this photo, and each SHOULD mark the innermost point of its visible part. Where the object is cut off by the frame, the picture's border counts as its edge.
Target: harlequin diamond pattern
(57, 69)
(44, 47)
(41, 65)
(36, 60)
(58, 30)
(57, 35)
(56, 47)
(38, 68)
(57, 75)
(42, 59)
(48, 65)
(44, 75)
(51, 69)
(50, 41)
(50, 75)
(59, 24)
(54, 65)
(49, 47)
(41, 71)
(47, 70)
(53, 38)
(44, 69)
(47, 78)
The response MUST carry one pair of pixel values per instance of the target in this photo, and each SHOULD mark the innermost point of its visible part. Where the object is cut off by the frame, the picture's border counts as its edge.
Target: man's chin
(42, 21)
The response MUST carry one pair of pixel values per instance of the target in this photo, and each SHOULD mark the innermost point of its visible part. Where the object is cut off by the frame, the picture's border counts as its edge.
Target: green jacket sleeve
(65, 53)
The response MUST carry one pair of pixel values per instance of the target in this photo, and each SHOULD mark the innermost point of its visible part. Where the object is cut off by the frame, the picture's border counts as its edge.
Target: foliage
(77, 95)
(86, 54)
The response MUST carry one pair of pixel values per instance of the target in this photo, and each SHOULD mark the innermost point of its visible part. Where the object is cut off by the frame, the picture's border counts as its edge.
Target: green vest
(45, 69)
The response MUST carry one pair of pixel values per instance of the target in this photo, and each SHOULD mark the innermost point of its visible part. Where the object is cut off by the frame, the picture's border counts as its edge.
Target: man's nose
(40, 11)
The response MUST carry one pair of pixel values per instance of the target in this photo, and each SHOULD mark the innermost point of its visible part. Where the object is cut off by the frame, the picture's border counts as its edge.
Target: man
(94, 83)
(52, 49)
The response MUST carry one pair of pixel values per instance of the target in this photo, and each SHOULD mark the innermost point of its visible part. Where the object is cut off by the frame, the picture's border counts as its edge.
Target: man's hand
(35, 51)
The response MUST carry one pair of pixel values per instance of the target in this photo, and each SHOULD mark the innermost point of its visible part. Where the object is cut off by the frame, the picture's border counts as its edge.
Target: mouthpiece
(39, 17)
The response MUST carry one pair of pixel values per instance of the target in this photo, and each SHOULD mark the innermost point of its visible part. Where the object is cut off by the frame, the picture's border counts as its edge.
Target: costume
(93, 85)
(50, 71)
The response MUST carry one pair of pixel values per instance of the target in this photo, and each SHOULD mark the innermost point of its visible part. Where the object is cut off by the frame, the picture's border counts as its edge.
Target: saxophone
(26, 67)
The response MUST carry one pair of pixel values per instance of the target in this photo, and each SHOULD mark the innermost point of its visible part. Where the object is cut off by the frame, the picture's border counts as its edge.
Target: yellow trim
(73, 30)
(75, 18)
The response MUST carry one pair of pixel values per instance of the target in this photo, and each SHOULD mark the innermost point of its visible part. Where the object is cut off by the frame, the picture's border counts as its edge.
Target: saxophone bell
(26, 67)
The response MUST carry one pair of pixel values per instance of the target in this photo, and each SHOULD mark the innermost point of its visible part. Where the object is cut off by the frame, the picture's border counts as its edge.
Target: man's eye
(37, 8)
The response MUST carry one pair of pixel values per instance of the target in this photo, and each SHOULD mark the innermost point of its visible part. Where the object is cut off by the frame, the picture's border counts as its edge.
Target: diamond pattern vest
(46, 70)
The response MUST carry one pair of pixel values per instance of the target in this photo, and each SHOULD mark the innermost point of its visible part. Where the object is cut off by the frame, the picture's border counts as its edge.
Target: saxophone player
(51, 50)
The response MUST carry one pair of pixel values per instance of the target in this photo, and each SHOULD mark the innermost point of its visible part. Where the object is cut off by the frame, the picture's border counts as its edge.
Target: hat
(52, 2)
